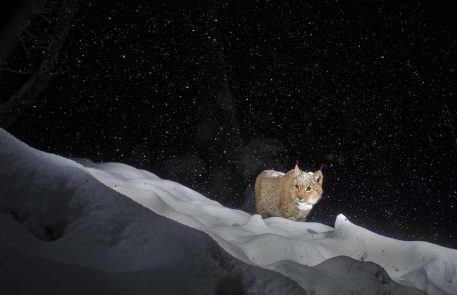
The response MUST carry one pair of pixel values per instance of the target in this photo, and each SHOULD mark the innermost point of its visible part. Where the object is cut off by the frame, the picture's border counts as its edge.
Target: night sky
(365, 88)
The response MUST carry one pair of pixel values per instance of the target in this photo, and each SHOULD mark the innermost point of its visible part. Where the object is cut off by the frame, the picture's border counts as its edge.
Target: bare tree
(43, 52)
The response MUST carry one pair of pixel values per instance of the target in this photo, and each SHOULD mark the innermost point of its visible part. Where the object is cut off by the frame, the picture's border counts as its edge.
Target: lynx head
(307, 187)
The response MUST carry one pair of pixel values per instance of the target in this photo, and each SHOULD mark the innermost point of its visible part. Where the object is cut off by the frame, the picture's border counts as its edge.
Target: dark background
(209, 93)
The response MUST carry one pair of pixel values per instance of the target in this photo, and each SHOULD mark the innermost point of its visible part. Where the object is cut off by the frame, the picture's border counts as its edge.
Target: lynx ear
(318, 176)
(297, 170)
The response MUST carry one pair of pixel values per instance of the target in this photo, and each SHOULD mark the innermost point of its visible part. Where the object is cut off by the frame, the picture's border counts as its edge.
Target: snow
(73, 228)
(273, 173)
(306, 176)
(63, 232)
(268, 242)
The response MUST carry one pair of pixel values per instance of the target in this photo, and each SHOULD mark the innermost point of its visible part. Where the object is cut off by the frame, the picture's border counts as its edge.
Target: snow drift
(69, 228)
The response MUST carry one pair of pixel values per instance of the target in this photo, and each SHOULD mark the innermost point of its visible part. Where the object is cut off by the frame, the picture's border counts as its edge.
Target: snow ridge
(70, 220)
(269, 242)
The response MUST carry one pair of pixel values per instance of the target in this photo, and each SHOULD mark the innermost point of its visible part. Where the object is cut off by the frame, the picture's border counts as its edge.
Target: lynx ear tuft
(318, 176)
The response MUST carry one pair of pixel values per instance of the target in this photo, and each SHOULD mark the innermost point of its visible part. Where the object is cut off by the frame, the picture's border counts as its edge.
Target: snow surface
(268, 242)
(65, 231)
(273, 173)
(306, 176)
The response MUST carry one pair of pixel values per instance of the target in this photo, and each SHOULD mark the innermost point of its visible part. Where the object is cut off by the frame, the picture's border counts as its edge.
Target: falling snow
(367, 90)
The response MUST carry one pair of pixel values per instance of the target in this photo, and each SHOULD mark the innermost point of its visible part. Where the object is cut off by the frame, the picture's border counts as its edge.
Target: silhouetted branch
(28, 94)
(15, 71)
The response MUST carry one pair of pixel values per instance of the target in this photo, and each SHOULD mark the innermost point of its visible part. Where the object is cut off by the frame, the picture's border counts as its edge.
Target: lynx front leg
(288, 211)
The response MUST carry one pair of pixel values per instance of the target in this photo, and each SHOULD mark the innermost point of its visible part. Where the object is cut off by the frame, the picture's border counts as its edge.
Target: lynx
(290, 195)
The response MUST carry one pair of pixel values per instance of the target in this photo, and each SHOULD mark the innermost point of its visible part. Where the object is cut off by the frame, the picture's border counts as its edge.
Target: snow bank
(63, 232)
(60, 226)
(268, 242)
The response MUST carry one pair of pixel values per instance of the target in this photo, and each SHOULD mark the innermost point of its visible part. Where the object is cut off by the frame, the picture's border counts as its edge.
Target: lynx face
(308, 188)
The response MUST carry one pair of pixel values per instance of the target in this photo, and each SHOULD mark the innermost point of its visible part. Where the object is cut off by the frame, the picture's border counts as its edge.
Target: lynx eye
(308, 189)
(297, 186)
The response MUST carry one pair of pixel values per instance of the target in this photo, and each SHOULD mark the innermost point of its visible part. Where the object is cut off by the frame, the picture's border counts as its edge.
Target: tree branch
(29, 92)
(15, 71)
